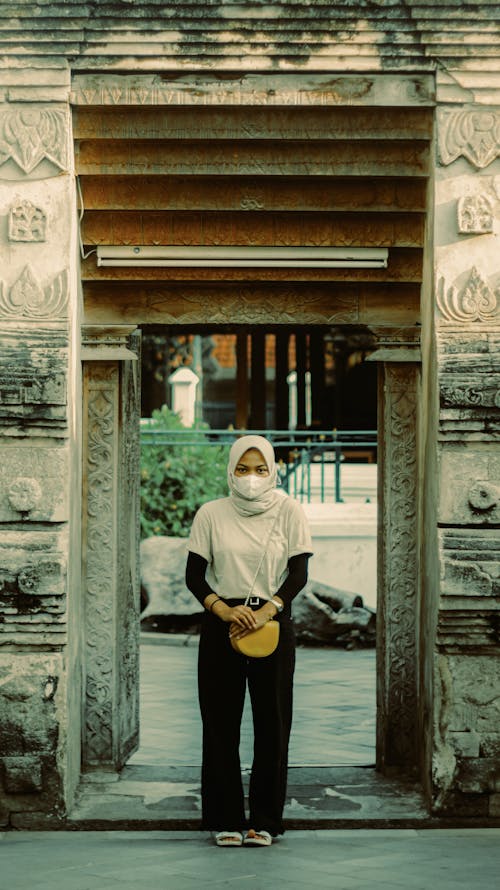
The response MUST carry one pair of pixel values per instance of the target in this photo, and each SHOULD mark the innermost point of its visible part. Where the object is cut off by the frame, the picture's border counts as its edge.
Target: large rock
(322, 614)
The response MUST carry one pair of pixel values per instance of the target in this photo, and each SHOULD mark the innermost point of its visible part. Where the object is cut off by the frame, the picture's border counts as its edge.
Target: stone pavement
(465, 859)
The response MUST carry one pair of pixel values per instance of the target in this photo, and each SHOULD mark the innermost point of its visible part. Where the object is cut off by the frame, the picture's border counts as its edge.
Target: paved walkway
(334, 710)
(332, 782)
(314, 860)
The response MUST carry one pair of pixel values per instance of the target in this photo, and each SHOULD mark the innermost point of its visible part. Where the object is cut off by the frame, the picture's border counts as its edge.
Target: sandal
(228, 839)
(257, 838)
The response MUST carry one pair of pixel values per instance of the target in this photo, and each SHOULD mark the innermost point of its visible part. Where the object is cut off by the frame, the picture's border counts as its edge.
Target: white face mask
(251, 486)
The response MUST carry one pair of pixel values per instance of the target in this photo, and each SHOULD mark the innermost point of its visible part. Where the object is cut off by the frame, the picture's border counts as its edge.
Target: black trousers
(223, 675)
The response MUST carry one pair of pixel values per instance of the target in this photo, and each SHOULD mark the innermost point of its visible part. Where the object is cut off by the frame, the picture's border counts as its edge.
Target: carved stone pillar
(398, 556)
(111, 410)
(464, 750)
(39, 458)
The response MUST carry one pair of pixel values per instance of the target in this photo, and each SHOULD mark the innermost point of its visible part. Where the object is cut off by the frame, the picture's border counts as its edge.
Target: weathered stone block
(32, 583)
(477, 774)
(30, 483)
(22, 775)
(468, 806)
(490, 745)
(494, 809)
(464, 474)
(465, 744)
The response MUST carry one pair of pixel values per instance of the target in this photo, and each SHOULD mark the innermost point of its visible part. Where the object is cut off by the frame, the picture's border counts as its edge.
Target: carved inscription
(27, 298)
(31, 135)
(27, 222)
(475, 215)
(341, 91)
(475, 302)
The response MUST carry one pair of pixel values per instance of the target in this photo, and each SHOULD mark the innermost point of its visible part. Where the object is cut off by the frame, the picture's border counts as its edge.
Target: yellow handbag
(263, 641)
(258, 643)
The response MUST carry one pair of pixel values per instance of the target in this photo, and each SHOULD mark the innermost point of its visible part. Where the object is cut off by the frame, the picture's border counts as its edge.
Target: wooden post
(242, 405)
(280, 381)
(258, 381)
(317, 363)
(301, 365)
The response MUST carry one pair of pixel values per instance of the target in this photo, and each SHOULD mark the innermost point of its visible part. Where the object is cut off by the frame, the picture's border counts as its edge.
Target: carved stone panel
(128, 586)
(398, 576)
(469, 617)
(32, 587)
(27, 222)
(101, 409)
(30, 483)
(29, 299)
(472, 134)
(31, 135)
(470, 485)
(33, 385)
(475, 215)
(110, 548)
(469, 302)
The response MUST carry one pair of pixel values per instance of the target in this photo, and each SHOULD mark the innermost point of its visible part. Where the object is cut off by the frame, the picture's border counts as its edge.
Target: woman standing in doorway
(256, 540)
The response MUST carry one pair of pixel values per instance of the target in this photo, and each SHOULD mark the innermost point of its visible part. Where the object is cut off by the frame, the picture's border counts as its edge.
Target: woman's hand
(261, 616)
(242, 617)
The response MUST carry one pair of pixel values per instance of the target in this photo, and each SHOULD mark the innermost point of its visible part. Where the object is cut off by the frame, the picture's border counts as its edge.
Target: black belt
(255, 601)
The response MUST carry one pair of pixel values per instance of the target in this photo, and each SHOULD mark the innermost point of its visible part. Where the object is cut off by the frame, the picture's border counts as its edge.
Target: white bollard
(184, 382)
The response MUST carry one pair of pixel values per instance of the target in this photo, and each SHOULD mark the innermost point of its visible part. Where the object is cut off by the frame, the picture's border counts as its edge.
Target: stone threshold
(145, 797)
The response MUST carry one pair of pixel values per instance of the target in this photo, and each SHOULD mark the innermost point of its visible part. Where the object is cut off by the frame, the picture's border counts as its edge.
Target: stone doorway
(198, 172)
(111, 536)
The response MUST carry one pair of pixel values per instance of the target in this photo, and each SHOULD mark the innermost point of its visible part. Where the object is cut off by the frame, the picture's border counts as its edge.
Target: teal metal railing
(310, 463)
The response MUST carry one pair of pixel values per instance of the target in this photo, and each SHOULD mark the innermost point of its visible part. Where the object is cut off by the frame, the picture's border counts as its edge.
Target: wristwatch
(278, 605)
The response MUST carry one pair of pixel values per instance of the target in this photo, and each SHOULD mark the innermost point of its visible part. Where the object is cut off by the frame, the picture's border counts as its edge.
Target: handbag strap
(278, 514)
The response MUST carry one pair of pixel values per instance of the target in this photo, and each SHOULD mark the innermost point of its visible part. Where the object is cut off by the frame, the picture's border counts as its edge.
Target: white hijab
(269, 496)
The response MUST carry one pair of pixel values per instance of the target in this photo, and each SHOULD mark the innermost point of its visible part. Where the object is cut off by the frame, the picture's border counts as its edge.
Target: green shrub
(177, 479)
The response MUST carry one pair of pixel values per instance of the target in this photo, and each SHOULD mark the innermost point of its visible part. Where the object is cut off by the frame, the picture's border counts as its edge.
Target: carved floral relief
(475, 215)
(100, 563)
(474, 135)
(477, 301)
(27, 298)
(27, 222)
(400, 561)
(30, 135)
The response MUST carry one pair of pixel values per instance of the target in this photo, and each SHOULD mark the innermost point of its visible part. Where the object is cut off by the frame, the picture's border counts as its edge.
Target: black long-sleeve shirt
(294, 582)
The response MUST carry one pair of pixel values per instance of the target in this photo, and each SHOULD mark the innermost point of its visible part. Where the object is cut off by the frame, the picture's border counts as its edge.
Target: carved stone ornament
(476, 302)
(27, 298)
(27, 222)
(483, 496)
(100, 563)
(24, 494)
(475, 215)
(31, 135)
(474, 135)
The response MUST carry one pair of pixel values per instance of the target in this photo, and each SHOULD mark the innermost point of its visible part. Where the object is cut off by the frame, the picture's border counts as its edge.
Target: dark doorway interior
(267, 378)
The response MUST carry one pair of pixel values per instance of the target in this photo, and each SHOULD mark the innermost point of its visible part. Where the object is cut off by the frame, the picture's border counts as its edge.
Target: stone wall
(464, 719)
(39, 444)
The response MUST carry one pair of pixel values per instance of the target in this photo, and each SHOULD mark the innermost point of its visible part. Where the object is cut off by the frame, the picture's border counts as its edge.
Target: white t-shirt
(233, 544)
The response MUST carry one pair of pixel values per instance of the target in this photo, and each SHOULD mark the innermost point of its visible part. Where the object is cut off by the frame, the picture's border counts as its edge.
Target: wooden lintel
(253, 228)
(252, 193)
(331, 124)
(165, 157)
(389, 305)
